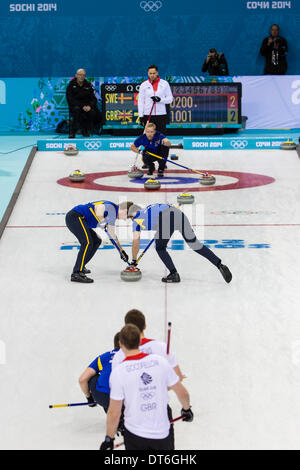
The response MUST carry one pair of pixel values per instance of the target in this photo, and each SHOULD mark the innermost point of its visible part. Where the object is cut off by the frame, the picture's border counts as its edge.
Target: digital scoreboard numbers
(206, 105)
(203, 105)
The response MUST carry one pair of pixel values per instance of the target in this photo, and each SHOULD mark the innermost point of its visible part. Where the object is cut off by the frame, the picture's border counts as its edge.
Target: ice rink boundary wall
(17, 191)
(189, 143)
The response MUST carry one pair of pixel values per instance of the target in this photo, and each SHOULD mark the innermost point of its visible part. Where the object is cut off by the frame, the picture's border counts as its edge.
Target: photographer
(215, 63)
(274, 49)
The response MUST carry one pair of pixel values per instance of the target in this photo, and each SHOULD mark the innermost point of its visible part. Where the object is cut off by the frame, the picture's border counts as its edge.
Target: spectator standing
(274, 48)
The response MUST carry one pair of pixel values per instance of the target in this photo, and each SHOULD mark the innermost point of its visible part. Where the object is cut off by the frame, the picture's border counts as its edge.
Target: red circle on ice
(244, 180)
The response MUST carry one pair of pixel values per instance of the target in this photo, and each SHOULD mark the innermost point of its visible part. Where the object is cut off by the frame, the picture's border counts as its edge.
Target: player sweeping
(81, 221)
(165, 220)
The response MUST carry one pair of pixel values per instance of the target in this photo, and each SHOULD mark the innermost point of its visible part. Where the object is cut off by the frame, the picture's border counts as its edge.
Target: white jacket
(145, 102)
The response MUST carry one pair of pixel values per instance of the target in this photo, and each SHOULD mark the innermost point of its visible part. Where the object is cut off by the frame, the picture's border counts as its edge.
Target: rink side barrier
(17, 191)
(189, 143)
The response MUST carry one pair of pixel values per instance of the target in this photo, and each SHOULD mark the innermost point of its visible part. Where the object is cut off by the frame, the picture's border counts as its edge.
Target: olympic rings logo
(147, 396)
(151, 6)
(239, 144)
(92, 145)
(110, 87)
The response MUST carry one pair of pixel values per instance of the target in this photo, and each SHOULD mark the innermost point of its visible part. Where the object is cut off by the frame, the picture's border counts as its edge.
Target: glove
(124, 256)
(142, 121)
(156, 99)
(107, 444)
(188, 415)
(133, 262)
(92, 402)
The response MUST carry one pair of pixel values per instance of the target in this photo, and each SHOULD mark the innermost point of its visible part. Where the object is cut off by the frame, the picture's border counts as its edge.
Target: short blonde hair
(151, 124)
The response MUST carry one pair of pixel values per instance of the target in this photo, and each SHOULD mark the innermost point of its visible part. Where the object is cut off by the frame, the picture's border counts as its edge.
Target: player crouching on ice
(81, 220)
(155, 142)
(165, 220)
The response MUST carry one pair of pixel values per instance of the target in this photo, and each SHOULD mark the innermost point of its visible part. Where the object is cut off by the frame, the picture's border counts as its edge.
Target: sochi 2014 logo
(150, 6)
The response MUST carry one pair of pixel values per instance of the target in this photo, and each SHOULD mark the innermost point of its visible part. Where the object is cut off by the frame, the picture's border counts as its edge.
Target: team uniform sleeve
(141, 101)
(111, 216)
(138, 141)
(116, 388)
(167, 98)
(172, 359)
(95, 365)
(117, 359)
(136, 227)
(171, 378)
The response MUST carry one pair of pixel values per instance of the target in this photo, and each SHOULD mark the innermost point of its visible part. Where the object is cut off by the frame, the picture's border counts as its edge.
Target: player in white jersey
(148, 346)
(142, 382)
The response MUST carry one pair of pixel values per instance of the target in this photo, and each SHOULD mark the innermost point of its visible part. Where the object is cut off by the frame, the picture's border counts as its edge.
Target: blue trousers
(87, 237)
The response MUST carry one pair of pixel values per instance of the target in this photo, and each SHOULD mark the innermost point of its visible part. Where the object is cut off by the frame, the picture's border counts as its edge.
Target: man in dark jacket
(274, 49)
(82, 105)
(215, 63)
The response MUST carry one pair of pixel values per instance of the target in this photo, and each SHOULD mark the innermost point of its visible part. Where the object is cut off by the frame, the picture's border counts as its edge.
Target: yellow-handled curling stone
(185, 198)
(152, 184)
(288, 145)
(77, 176)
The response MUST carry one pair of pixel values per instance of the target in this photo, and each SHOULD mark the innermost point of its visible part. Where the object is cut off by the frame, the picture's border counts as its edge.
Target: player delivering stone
(155, 142)
(165, 220)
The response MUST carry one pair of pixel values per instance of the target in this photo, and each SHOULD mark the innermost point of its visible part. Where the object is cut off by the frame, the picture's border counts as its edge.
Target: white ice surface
(238, 344)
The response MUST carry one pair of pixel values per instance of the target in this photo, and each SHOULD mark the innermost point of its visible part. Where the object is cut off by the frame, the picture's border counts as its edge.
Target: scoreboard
(195, 105)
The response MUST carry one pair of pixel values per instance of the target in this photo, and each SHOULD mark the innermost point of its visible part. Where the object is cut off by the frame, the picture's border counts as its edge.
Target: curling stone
(77, 176)
(71, 150)
(185, 198)
(174, 157)
(135, 172)
(152, 184)
(207, 179)
(131, 274)
(288, 145)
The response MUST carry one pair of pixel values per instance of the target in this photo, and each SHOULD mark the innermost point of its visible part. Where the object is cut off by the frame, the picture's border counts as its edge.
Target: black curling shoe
(225, 272)
(80, 277)
(171, 278)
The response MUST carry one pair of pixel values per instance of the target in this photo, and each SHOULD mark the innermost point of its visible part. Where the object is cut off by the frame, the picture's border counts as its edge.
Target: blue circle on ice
(169, 180)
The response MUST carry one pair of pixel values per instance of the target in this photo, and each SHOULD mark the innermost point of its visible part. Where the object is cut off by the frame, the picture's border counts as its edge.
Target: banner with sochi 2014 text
(123, 37)
(39, 104)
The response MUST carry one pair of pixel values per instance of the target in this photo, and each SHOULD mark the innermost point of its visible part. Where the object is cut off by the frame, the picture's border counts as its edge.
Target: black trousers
(99, 397)
(133, 442)
(169, 221)
(162, 151)
(160, 122)
(87, 237)
(84, 120)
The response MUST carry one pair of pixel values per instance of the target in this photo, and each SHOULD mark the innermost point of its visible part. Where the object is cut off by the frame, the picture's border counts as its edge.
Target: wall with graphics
(39, 104)
(125, 36)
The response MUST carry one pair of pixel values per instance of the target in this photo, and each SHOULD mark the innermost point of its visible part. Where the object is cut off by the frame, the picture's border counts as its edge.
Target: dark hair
(153, 67)
(130, 336)
(274, 25)
(116, 341)
(212, 50)
(137, 318)
(125, 205)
